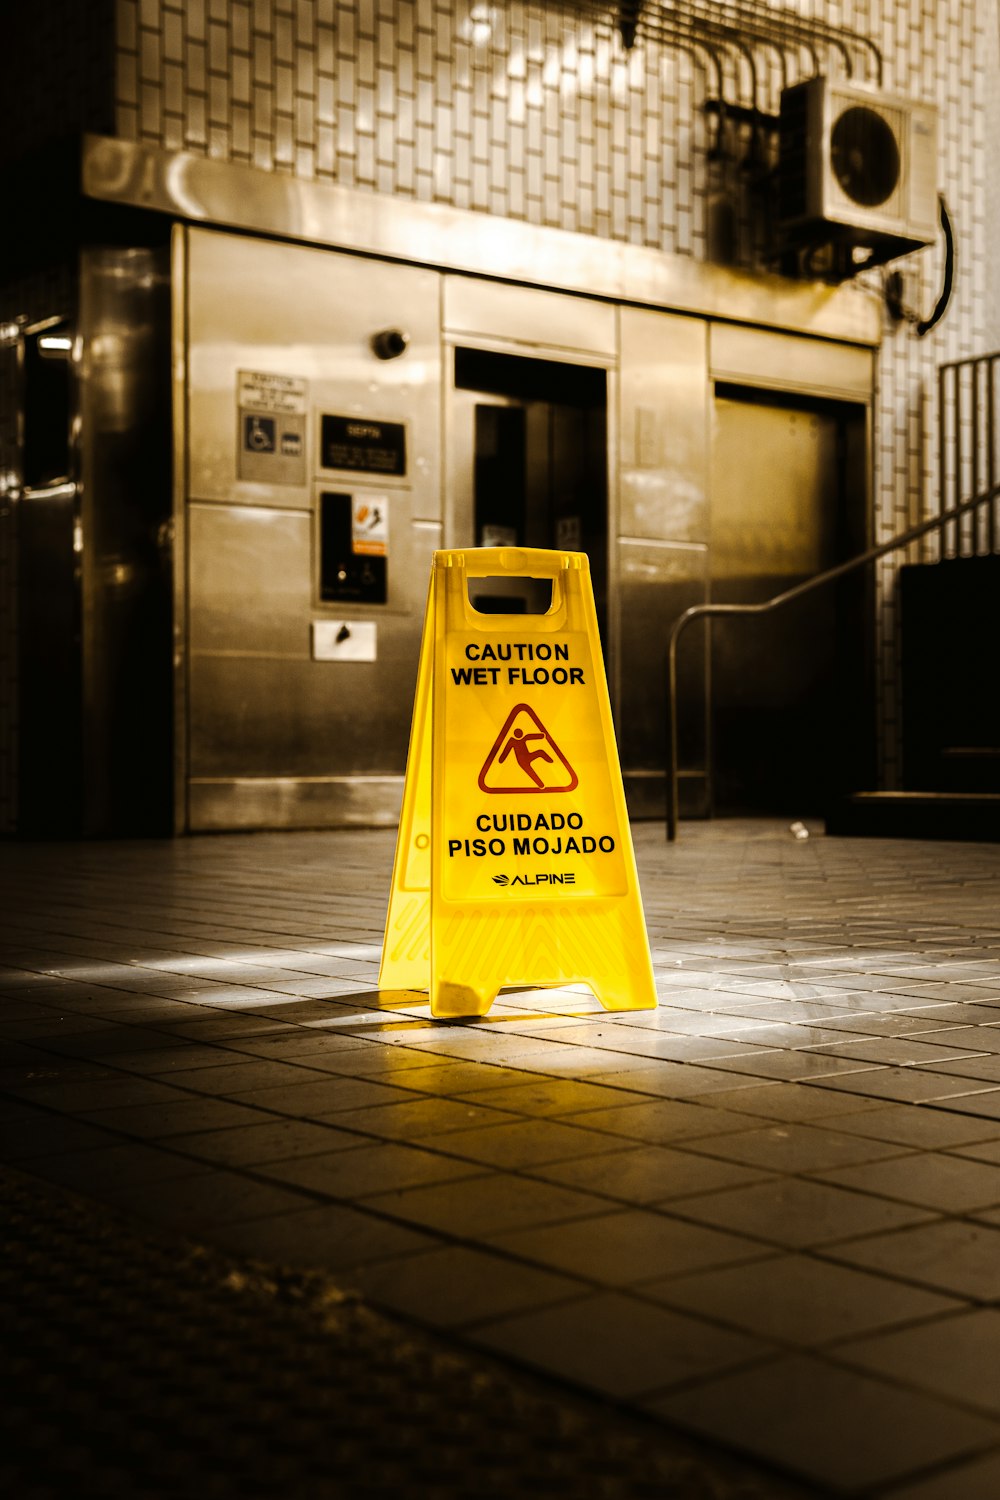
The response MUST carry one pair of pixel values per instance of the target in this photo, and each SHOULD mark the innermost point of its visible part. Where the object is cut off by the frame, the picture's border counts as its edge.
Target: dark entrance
(529, 466)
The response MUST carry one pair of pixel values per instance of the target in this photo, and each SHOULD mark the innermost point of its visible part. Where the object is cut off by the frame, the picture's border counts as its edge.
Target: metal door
(789, 698)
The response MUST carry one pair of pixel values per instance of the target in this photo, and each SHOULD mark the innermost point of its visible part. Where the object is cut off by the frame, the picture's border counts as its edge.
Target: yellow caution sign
(514, 861)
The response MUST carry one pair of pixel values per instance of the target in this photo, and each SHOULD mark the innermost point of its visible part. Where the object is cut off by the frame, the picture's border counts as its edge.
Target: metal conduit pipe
(804, 40)
(775, 28)
(710, 21)
(690, 44)
(684, 42)
(709, 611)
(735, 40)
(803, 32)
(786, 23)
(733, 44)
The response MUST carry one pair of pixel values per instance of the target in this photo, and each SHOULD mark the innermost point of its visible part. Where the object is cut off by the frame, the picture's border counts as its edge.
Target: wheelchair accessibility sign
(272, 430)
(258, 434)
(514, 861)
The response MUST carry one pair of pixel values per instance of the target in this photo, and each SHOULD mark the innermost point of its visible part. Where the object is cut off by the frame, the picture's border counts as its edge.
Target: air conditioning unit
(857, 167)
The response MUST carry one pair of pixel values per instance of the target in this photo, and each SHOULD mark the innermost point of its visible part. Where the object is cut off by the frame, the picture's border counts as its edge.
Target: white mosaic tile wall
(530, 111)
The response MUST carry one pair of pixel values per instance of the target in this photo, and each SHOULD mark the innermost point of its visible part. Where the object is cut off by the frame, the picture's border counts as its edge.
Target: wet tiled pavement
(766, 1216)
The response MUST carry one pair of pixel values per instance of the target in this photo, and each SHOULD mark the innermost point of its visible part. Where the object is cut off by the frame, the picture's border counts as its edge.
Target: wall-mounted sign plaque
(360, 443)
(271, 438)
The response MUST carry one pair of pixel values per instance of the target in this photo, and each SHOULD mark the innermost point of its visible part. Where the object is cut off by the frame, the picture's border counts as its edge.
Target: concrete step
(973, 816)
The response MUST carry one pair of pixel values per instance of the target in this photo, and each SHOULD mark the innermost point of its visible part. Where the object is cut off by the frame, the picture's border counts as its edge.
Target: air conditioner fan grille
(864, 155)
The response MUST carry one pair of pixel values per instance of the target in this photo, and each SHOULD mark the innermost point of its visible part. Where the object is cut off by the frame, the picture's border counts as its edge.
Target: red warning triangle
(525, 758)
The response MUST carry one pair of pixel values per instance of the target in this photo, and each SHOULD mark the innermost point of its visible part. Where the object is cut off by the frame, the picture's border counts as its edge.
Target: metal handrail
(705, 611)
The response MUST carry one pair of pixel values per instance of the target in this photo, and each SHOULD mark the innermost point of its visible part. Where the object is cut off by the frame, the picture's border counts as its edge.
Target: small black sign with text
(358, 443)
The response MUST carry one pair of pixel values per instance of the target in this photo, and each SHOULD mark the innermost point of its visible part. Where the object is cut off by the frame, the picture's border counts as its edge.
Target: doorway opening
(529, 468)
(792, 724)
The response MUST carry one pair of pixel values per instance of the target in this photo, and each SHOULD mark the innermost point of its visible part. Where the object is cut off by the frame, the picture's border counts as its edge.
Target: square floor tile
(526, 1143)
(951, 1184)
(797, 1299)
(926, 1128)
(897, 1049)
(792, 1101)
(29, 1132)
(953, 1255)
(957, 1357)
(177, 1117)
(250, 1145)
(479, 1206)
(904, 1085)
(796, 1213)
(831, 1426)
(419, 1117)
(983, 1068)
(692, 1081)
(627, 1248)
(980, 1101)
(329, 1237)
(977, 1479)
(373, 1168)
(988, 1151)
(231, 1076)
(458, 1285)
(648, 1174)
(617, 1345)
(312, 1100)
(795, 1064)
(80, 1096)
(793, 1147)
(199, 1202)
(660, 1120)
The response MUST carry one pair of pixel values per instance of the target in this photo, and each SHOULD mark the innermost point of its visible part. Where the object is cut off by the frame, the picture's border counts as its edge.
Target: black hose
(949, 271)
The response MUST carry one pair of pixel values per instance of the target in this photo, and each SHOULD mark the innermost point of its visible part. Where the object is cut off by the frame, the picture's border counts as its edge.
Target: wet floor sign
(514, 861)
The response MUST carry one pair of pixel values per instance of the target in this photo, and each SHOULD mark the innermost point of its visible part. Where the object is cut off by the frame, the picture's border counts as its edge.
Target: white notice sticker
(261, 392)
(370, 525)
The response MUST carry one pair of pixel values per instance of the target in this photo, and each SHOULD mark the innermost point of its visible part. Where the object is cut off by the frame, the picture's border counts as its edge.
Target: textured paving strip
(140, 1366)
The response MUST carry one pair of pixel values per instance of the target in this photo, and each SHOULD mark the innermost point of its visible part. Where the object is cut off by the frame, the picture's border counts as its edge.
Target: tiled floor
(767, 1213)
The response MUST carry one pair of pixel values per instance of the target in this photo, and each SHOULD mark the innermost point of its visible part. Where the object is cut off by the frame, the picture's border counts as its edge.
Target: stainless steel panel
(663, 426)
(775, 485)
(260, 708)
(759, 357)
(178, 522)
(287, 802)
(203, 190)
(250, 580)
(657, 582)
(524, 315)
(259, 705)
(127, 557)
(309, 314)
(257, 716)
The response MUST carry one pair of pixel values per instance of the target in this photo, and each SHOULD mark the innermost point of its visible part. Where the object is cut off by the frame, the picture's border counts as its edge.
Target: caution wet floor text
(514, 861)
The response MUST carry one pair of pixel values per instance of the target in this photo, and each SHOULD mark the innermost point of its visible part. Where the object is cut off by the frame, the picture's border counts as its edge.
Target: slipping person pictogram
(518, 742)
(513, 745)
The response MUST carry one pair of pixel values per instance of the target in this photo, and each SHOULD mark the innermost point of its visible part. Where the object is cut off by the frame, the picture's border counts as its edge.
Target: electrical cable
(893, 286)
(948, 280)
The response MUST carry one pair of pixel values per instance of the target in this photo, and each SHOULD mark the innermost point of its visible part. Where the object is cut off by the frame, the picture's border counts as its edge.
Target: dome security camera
(390, 343)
